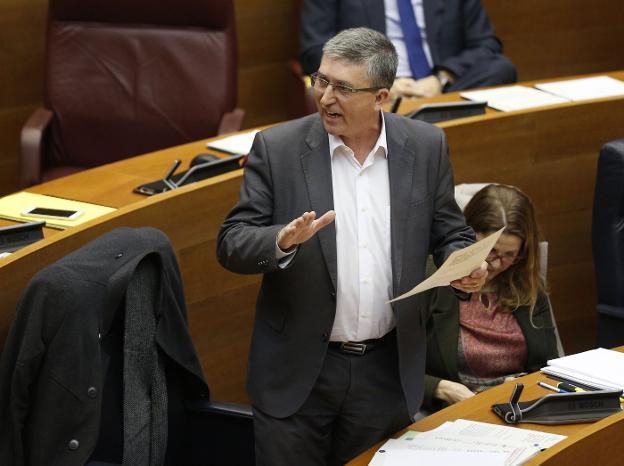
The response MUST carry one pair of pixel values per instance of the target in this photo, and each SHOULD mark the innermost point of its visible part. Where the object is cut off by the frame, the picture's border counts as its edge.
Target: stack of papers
(15, 206)
(585, 88)
(600, 368)
(466, 443)
(238, 144)
(510, 98)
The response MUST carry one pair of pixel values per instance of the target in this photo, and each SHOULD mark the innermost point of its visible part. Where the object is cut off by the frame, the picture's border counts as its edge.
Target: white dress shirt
(362, 205)
(394, 32)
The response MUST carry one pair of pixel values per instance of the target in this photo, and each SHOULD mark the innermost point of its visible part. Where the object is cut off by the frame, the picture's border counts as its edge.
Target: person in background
(339, 210)
(443, 45)
(506, 329)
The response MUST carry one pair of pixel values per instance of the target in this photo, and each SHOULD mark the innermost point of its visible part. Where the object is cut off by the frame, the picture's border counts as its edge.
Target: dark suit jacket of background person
(52, 359)
(459, 32)
(443, 336)
(288, 173)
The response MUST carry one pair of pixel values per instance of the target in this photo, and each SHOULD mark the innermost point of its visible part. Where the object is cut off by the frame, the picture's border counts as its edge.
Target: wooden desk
(600, 443)
(550, 153)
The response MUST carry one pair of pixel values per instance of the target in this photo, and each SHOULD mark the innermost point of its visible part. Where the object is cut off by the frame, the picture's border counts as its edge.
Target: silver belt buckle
(353, 348)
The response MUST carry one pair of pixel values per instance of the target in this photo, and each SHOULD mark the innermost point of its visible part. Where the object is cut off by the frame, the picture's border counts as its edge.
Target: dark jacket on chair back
(52, 368)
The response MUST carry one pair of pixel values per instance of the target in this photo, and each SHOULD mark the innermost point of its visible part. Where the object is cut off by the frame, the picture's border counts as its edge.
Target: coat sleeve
(247, 238)
(540, 335)
(449, 231)
(480, 43)
(19, 365)
(319, 22)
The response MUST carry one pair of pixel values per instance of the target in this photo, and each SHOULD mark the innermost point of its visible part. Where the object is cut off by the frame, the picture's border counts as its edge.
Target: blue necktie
(413, 41)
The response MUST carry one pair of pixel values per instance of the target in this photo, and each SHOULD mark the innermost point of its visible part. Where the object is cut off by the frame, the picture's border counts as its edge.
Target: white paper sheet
(599, 368)
(437, 458)
(238, 144)
(585, 88)
(458, 265)
(473, 441)
(510, 98)
(484, 430)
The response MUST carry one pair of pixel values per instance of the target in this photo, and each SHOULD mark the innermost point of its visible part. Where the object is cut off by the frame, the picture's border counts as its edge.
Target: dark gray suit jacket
(459, 32)
(289, 172)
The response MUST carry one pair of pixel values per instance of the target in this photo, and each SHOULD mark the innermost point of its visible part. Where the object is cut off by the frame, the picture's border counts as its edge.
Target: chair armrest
(231, 121)
(32, 146)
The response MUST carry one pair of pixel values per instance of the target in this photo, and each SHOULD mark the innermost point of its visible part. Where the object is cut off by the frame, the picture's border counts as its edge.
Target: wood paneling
(597, 443)
(22, 26)
(559, 37)
(544, 39)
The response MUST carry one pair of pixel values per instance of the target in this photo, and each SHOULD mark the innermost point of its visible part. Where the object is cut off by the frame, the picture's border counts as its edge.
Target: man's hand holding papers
(464, 269)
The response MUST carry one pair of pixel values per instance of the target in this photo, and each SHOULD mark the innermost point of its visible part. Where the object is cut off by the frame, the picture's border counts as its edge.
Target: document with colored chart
(458, 265)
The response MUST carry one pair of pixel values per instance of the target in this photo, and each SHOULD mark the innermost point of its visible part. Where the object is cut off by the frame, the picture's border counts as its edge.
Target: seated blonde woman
(505, 330)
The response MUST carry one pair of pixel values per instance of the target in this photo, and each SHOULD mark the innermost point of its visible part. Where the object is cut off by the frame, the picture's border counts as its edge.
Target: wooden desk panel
(550, 153)
(598, 443)
(220, 304)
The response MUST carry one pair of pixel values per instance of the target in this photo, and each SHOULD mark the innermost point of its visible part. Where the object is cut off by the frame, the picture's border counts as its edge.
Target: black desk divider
(433, 113)
(15, 237)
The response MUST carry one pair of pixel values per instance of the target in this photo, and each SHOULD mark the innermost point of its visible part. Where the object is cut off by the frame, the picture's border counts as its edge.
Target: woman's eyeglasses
(505, 259)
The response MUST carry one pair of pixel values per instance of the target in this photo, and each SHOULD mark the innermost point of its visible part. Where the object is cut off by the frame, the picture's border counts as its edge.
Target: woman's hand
(451, 392)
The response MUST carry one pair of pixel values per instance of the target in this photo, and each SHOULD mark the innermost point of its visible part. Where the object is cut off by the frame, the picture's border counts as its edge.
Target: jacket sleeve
(449, 231)
(319, 22)
(542, 340)
(19, 365)
(480, 43)
(247, 238)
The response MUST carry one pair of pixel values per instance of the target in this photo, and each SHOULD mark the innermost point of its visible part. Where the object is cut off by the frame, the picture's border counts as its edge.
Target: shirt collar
(336, 141)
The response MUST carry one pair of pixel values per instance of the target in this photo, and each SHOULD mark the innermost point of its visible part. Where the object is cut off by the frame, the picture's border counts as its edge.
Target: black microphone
(167, 178)
(395, 104)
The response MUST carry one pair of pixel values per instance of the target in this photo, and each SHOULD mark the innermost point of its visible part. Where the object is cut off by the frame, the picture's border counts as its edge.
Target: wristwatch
(444, 79)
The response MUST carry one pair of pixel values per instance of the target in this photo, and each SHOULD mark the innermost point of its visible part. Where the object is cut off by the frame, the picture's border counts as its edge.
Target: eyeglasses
(345, 91)
(505, 259)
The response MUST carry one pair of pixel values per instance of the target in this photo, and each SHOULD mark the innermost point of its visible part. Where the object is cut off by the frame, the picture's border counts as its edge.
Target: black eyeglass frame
(504, 259)
(345, 90)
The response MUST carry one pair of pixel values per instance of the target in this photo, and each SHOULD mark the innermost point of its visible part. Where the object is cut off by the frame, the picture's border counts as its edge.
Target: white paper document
(474, 442)
(598, 368)
(238, 144)
(585, 88)
(440, 458)
(458, 265)
(510, 98)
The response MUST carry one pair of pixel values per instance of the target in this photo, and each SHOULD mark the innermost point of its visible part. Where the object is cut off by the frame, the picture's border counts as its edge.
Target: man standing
(339, 211)
(443, 45)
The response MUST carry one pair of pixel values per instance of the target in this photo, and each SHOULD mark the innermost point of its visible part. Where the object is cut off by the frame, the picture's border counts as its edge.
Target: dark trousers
(356, 402)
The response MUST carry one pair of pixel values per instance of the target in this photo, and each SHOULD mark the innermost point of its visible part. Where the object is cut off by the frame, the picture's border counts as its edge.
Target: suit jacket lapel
(316, 164)
(433, 12)
(401, 169)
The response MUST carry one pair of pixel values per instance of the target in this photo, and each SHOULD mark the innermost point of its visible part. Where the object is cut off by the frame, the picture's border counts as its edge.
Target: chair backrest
(125, 78)
(608, 243)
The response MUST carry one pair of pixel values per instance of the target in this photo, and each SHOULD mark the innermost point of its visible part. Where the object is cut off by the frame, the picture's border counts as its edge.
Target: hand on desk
(451, 392)
(303, 228)
(408, 87)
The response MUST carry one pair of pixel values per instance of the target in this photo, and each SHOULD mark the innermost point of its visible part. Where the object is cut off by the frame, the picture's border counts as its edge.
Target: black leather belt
(360, 348)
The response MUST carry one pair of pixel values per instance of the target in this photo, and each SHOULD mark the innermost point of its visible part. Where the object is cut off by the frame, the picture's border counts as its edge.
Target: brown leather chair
(129, 77)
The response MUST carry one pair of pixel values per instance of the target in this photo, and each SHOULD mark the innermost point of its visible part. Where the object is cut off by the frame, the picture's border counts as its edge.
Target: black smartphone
(47, 212)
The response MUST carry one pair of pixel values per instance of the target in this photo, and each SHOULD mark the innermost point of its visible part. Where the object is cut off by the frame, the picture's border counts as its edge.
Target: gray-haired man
(334, 368)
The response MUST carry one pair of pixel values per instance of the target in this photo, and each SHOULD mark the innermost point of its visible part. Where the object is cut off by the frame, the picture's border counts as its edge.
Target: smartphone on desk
(46, 212)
